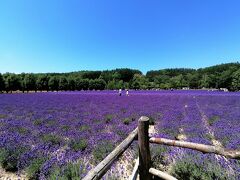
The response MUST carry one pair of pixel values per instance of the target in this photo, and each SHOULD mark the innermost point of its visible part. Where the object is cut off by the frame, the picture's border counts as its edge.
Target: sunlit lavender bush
(65, 134)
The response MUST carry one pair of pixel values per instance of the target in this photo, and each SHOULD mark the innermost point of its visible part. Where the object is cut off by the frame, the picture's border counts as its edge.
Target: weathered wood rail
(143, 167)
(233, 154)
(105, 165)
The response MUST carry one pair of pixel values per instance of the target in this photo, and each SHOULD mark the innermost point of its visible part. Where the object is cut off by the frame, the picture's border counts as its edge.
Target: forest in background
(213, 77)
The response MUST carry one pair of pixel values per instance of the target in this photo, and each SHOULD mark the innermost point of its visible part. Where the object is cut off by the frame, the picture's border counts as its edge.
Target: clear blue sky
(63, 36)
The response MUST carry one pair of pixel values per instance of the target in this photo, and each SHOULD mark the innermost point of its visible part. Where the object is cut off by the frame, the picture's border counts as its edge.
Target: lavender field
(65, 134)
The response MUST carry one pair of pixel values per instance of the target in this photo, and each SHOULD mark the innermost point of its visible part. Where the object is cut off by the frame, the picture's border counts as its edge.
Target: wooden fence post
(143, 146)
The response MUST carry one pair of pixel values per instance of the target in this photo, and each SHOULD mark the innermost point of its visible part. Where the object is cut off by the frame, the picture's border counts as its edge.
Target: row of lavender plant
(49, 130)
(223, 119)
(183, 116)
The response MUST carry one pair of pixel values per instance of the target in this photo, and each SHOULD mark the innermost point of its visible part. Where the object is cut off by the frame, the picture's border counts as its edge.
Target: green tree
(63, 83)
(111, 85)
(2, 83)
(120, 84)
(21, 77)
(116, 76)
(101, 84)
(160, 81)
(226, 79)
(71, 83)
(135, 85)
(97, 84)
(178, 82)
(82, 84)
(212, 81)
(236, 81)
(219, 76)
(126, 85)
(126, 74)
(12, 82)
(29, 82)
(53, 83)
(193, 80)
(91, 74)
(107, 76)
(205, 81)
(139, 82)
(42, 82)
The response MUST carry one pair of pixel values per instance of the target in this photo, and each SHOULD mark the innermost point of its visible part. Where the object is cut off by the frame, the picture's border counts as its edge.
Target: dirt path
(11, 176)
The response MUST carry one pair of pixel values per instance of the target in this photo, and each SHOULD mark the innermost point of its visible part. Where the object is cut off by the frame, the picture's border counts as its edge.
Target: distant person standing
(120, 92)
(127, 93)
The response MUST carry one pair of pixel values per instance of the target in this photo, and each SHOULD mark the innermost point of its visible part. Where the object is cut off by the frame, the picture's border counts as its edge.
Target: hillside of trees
(219, 76)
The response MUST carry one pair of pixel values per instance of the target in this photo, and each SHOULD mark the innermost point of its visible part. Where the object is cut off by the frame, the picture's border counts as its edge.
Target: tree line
(219, 76)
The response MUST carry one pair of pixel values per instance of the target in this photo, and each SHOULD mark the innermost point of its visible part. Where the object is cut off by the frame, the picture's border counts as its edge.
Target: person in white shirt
(120, 92)
(127, 93)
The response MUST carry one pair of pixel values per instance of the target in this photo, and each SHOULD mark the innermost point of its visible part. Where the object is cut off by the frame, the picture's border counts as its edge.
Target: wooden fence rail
(105, 165)
(135, 171)
(233, 154)
(143, 163)
(161, 174)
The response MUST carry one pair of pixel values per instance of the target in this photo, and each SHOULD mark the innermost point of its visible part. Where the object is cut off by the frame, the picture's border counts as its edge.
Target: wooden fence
(143, 168)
